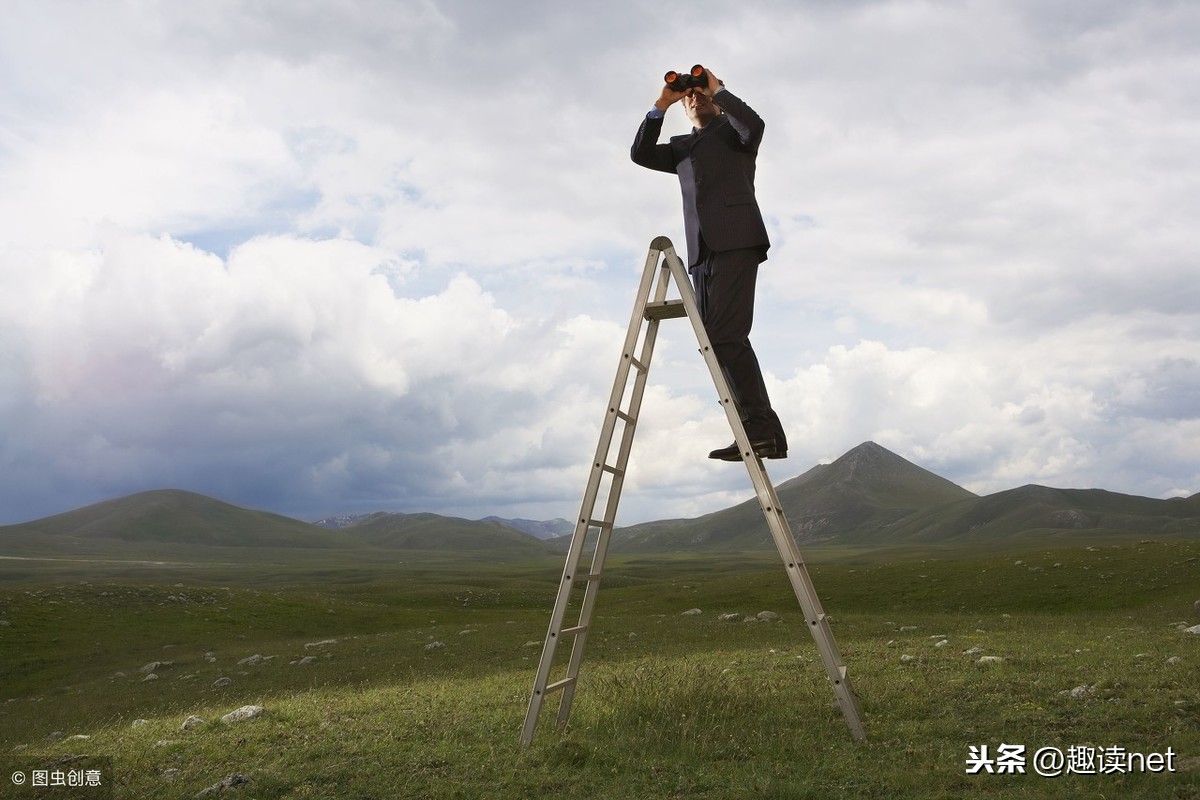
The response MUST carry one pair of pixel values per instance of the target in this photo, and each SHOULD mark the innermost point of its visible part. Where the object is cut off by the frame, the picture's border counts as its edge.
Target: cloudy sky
(327, 256)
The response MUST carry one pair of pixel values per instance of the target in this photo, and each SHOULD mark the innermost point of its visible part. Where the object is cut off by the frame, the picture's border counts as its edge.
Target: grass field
(423, 689)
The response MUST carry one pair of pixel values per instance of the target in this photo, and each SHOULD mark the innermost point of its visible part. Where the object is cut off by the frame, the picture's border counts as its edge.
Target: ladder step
(622, 415)
(554, 687)
(668, 309)
(638, 364)
(612, 470)
(573, 631)
(598, 523)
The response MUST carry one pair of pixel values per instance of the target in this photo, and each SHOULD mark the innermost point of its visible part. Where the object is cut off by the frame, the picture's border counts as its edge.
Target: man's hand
(668, 98)
(713, 83)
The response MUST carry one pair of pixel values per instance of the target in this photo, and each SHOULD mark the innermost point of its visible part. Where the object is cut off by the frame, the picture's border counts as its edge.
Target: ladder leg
(639, 361)
(781, 533)
(605, 532)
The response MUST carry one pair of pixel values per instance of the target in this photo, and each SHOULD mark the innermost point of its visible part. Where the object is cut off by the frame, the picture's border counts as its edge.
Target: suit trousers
(724, 283)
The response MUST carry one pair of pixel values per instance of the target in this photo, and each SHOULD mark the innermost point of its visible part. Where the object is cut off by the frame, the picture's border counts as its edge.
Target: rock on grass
(243, 713)
(234, 781)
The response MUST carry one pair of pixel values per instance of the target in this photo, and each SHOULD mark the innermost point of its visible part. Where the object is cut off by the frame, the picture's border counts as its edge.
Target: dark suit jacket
(715, 165)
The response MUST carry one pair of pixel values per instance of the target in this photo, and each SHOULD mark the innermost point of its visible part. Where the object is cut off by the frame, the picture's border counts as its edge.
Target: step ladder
(594, 532)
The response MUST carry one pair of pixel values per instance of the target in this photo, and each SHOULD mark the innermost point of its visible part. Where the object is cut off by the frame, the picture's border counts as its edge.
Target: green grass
(668, 705)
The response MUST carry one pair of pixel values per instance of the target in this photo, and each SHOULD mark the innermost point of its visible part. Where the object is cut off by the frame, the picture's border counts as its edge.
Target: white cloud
(368, 254)
(150, 360)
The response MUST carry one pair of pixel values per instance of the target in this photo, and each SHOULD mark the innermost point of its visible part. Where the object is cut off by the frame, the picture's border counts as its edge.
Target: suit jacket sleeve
(646, 150)
(748, 124)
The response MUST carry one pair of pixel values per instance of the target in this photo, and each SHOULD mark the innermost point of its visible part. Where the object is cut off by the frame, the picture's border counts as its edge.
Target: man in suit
(726, 237)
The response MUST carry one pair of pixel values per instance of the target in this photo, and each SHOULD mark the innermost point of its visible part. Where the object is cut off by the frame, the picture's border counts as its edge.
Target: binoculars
(681, 82)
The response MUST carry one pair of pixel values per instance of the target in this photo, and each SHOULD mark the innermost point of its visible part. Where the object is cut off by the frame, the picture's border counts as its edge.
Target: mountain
(868, 497)
(169, 523)
(539, 529)
(871, 496)
(340, 521)
(542, 529)
(167, 517)
(865, 491)
(434, 532)
(1040, 511)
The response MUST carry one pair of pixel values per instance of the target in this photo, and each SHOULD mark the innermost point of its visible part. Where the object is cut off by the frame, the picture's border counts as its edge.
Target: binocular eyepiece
(681, 82)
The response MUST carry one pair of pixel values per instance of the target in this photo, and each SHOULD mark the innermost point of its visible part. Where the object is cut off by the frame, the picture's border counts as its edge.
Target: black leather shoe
(763, 448)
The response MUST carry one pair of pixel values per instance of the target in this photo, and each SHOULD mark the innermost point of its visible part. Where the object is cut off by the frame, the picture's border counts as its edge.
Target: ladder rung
(573, 631)
(612, 470)
(638, 364)
(668, 309)
(598, 523)
(625, 416)
(554, 687)
(588, 576)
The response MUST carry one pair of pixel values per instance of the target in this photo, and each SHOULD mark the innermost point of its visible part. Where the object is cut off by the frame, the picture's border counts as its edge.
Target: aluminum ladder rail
(648, 312)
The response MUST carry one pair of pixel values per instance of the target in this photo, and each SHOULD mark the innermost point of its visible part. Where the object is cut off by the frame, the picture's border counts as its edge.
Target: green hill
(1043, 512)
(867, 498)
(164, 517)
(871, 497)
(860, 494)
(173, 524)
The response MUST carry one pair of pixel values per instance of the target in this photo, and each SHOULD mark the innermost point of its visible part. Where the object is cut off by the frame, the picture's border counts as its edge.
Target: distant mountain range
(871, 496)
(868, 497)
(432, 532)
(857, 497)
(171, 523)
(540, 529)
